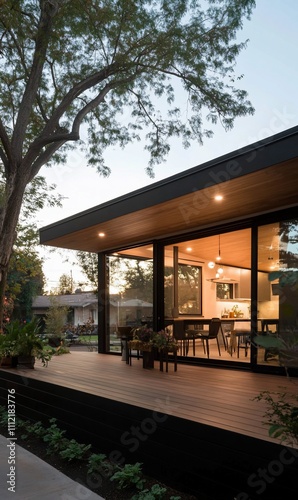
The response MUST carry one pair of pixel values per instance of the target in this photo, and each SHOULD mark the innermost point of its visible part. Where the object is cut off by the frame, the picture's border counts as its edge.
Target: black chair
(238, 339)
(243, 342)
(191, 334)
(210, 334)
(180, 334)
(226, 328)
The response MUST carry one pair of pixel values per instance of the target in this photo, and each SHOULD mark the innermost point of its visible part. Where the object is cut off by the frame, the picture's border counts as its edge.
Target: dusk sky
(269, 65)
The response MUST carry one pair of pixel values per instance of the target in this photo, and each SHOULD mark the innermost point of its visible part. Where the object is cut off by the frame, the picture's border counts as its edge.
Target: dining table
(232, 329)
(193, 324)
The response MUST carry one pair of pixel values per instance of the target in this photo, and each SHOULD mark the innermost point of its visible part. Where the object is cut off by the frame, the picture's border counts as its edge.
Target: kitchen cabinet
(264, 292)
(243, 289)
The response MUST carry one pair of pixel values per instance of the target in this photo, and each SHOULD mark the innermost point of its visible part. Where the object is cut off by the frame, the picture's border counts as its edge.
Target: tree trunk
(9, 216)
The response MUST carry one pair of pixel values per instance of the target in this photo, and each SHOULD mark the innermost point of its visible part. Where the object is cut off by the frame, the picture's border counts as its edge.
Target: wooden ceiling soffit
(263, 191)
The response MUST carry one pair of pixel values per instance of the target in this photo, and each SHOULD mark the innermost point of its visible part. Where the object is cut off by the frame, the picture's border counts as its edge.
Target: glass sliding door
(130, 286)
(278, 287)
(207, 278)
(182, 284)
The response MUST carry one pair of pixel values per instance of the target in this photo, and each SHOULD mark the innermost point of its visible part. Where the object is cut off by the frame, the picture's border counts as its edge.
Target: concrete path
(24, 476)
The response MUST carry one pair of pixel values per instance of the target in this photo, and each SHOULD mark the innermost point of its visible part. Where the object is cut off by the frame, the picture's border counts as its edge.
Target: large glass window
(182, 285)
(209, 278)
(130, 283)
(278, 287)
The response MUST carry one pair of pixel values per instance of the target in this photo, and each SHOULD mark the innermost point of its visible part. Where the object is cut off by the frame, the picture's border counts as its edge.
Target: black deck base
(206, 461)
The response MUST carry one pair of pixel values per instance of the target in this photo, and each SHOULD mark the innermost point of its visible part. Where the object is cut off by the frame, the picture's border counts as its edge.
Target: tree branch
(49, 9)
(54, 142)
(44, 157)
(5, 153)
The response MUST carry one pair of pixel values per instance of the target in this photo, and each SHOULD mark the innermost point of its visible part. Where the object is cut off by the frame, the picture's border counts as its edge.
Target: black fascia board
(257, 156)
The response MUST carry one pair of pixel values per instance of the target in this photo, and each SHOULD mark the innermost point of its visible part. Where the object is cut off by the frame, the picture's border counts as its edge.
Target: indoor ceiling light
(211, 265)
(218, 197)
(218, 256)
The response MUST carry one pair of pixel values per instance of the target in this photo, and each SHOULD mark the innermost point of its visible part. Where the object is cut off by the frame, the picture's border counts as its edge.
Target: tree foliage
(65, 286)
(69, 69)
(88, 263)
(138, 279)
(25, 281)
(56, 317)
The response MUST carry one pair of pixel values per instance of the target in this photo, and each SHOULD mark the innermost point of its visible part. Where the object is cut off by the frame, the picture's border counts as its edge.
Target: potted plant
(150, 342)
(8, 356)
(143, 341)
(28, 343)
(164, 341)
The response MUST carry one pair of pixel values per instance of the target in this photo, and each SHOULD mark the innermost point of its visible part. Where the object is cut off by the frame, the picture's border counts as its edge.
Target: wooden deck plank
(216, 397)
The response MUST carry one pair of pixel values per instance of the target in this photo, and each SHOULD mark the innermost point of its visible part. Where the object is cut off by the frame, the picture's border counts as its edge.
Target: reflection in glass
(278, 307)
(189, 289)
(130, 281)
(224, 291)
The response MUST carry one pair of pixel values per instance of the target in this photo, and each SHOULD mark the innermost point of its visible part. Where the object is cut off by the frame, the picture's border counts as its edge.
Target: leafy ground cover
(93, 470)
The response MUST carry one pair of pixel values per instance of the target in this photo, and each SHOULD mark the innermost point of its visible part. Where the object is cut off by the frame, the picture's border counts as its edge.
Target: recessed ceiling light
(218, 197)
(189, 249)
(101, 235)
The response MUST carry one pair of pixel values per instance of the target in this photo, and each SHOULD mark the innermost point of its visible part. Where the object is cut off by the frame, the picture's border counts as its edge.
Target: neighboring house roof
(72, 300)
(131, 303)
(257, 179)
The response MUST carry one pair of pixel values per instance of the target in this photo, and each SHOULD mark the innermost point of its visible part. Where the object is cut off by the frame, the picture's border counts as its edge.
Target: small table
(164, 357)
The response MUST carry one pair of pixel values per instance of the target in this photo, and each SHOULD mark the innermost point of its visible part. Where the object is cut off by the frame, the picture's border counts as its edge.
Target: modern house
(218, 240)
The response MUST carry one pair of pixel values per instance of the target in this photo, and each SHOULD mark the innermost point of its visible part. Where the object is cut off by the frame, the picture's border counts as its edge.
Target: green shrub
(74, 450)
(281, 415)
(156, 492)
(98, 463)
(129, 476)
(36, 429)
(54, 437)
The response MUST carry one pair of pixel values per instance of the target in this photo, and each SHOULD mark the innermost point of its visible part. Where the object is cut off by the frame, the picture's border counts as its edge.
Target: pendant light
(218, 258)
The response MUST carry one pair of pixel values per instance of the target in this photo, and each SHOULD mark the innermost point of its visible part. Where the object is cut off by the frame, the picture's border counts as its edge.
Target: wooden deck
(221, 398)
(198, 429)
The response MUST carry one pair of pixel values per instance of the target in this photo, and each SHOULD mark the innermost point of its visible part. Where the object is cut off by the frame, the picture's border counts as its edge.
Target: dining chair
(181, 335)
(210, 334)
(191, 334)
(239, 339)
(243, 342)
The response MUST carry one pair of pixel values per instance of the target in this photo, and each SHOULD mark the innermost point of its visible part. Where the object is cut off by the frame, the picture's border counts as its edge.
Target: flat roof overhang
(257, 179)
